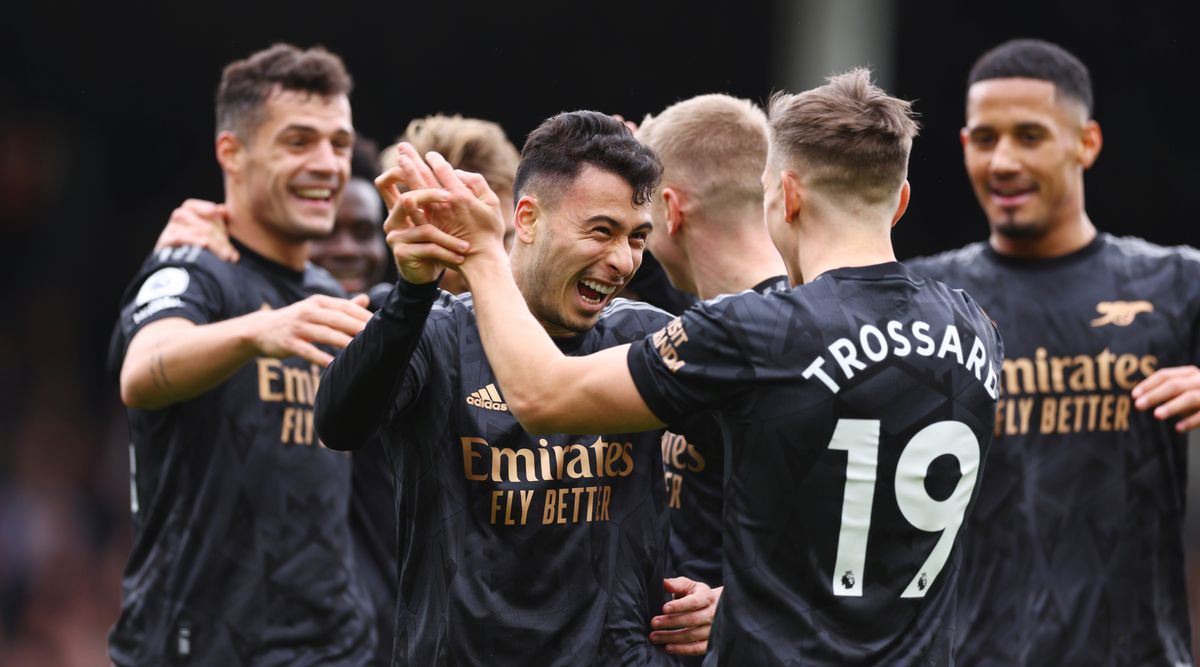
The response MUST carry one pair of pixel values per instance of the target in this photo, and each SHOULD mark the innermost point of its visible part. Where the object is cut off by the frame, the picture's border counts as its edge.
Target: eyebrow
(295, 127)
(646, 225)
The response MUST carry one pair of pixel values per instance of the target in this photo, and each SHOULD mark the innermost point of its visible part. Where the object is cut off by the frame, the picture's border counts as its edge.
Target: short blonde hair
(469, 144)
(714, 144)
(847, 137)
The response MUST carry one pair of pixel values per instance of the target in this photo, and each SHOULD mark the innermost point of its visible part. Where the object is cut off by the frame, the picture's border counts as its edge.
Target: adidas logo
(487, 398)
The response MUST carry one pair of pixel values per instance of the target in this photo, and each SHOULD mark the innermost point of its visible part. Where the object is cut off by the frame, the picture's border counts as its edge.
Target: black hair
(556, 152)
(1036, 59)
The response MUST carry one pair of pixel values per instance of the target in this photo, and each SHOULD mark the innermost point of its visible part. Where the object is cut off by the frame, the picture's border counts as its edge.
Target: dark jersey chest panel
(241, 551)
(695, 471)
(1075, 546)
(521, 549)
(825, 562)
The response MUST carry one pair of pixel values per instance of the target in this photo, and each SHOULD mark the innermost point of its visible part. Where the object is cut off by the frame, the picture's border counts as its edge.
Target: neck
(1058, 240)
(256, 236)
(834, 244)
(731, 258)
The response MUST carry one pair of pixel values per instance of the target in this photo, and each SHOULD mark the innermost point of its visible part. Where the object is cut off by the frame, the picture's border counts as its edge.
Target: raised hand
(200, 223)
(457, 202)
(421, 250)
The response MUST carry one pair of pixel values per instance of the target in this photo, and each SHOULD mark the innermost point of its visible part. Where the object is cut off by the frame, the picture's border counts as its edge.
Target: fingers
(221, 246)
(342, 314)
(409, 210)
(1186, 403)
(361, 300)
(311, 353)
(200, 223)
(320, 334)
(1156, 378)
(410, 161)
(690, 603)
(349, 306)
(431, 234)
(478, 186)
(387, 184)
(679, 585)
(1189, 423)
(703, 616)
(1171, 392)
(440, 247)
(685, 639)
(446, 174)
(425, 197)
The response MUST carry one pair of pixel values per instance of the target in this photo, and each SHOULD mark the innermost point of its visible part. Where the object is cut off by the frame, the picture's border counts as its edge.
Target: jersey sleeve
(692, 363)
(173, 282)
(382, 368)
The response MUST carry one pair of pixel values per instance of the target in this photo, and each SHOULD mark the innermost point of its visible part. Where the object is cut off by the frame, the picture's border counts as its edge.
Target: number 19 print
(859, 438)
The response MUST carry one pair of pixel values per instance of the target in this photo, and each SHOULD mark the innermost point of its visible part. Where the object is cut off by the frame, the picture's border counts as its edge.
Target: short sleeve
(691, 364)
(174, 282)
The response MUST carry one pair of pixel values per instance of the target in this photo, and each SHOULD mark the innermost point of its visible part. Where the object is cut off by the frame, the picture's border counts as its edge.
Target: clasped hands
(438, 216)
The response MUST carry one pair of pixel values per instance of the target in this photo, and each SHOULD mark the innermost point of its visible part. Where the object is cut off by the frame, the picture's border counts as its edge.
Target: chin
(1018, 230)
(354, 285)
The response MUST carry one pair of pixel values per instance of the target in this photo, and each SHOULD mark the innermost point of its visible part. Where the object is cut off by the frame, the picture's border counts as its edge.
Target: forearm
(358, 388)
(174, 360)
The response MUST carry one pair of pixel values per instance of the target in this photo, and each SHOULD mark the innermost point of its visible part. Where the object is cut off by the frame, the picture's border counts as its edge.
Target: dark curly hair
(1036, 59)
(556, 152)
(246, 84)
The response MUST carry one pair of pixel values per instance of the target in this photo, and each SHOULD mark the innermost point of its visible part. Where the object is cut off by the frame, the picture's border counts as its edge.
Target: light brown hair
(714, 145)
(847, 137)
(469, 144)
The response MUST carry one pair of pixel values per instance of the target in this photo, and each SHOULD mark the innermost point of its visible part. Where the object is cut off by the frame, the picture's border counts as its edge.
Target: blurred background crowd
(106, 125)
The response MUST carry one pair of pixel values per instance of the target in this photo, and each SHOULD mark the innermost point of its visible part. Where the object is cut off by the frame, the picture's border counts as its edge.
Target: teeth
(599, 287)
(315, 193)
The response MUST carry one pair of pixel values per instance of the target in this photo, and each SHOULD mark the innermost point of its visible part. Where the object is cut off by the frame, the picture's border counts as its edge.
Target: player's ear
(905, 193)
(673, 199)
(793, 195)
(229, 152)
(528, 214)
(1091, 139)
(963, 137)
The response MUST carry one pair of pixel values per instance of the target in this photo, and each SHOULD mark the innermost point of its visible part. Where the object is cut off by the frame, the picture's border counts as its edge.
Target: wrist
(248, 333)
(485, 263)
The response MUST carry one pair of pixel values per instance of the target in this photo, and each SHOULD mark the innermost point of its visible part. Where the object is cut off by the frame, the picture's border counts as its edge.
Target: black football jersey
(1074, 554)
(695, 472)
(858, 411)
(241, 551)
(517, 549)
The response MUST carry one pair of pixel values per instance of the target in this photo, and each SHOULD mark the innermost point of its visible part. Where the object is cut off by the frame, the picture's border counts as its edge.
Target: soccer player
(519, 549)
(711, 240)
(356, 254)
(1074, 555)
(857, 409)
(241, 548)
